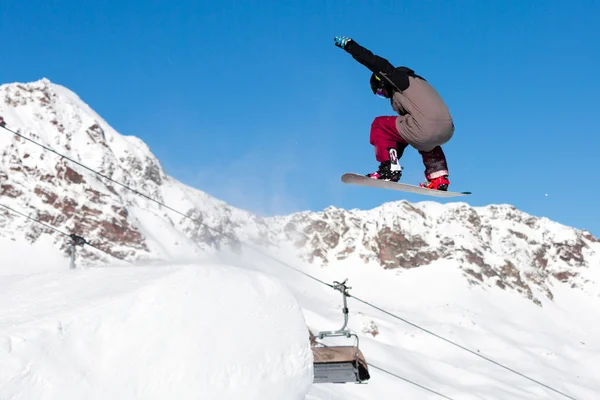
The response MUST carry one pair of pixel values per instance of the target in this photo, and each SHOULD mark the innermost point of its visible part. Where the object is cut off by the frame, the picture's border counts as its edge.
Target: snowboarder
(424, 121)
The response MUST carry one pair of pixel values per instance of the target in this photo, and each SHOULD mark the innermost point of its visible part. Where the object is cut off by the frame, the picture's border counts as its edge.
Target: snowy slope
(520, 289)
(557, 343)
(152, 333)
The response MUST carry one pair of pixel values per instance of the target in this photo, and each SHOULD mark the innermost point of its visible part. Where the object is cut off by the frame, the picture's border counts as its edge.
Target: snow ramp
(189, 332)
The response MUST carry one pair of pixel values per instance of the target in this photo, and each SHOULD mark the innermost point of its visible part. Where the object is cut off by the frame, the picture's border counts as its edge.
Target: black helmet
(379, 87)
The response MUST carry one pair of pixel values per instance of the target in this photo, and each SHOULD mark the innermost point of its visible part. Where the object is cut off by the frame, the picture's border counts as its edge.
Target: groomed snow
(187, 332)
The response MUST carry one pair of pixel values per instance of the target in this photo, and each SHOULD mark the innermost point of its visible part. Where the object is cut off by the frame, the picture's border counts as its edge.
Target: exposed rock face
(496, 245)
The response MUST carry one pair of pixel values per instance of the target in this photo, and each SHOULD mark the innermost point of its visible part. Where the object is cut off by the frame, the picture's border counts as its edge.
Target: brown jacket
(425, 121)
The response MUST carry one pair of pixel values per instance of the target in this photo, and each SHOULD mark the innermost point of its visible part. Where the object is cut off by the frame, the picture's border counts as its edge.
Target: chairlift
(340, 364)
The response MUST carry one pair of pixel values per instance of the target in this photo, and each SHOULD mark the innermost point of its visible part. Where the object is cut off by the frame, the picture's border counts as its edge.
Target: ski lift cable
(219, 232)
(459, 346)
(403, 379)
(78, 240)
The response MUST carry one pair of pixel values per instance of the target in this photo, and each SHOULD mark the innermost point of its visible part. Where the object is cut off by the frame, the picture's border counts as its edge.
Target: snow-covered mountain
(75, 200)
(467, 257)
(497, 244)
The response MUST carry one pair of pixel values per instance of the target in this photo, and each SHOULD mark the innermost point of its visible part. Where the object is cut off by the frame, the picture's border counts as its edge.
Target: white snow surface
(54, 322)
(557, 344)
(169, 332)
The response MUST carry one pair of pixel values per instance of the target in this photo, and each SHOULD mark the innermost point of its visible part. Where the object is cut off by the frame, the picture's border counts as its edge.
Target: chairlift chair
(340, 364)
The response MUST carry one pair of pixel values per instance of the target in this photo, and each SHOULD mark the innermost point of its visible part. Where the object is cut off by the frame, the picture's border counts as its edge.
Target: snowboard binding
(389, 170)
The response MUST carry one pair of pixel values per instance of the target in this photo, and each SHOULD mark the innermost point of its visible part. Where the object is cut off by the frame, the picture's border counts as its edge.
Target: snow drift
(201, 332)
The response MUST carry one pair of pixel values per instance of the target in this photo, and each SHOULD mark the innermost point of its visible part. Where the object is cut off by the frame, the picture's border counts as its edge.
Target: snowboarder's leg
(389, 147)
(384, 136)
(436, 169)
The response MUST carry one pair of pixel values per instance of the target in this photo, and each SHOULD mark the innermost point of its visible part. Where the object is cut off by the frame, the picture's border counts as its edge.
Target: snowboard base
(361, 180)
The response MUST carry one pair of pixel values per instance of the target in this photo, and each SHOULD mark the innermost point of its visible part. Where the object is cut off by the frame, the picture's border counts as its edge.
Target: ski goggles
(381, 92)
(379, 88)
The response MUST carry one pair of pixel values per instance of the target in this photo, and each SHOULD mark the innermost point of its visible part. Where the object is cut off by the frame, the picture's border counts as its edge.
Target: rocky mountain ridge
(497, 244)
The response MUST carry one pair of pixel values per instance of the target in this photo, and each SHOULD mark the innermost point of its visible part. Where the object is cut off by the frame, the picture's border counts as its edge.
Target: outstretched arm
(376, 64)
(364, 56)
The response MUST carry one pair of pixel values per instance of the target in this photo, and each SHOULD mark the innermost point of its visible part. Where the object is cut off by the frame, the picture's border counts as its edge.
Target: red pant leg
(384, 135)
(435, 163)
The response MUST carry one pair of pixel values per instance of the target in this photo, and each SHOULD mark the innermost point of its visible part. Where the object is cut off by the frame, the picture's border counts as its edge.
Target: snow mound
(185, 332)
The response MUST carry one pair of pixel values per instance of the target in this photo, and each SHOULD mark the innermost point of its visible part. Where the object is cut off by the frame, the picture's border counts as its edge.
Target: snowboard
(361, 180)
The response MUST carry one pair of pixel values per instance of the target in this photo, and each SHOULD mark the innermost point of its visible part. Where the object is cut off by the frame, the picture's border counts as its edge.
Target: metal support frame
(342, 331)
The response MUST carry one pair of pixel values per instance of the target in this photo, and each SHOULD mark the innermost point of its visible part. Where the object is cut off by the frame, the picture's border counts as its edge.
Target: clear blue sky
(251, 102)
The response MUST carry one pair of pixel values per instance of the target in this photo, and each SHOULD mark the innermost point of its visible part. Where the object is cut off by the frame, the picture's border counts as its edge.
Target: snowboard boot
(439, 183)
(389, 170)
